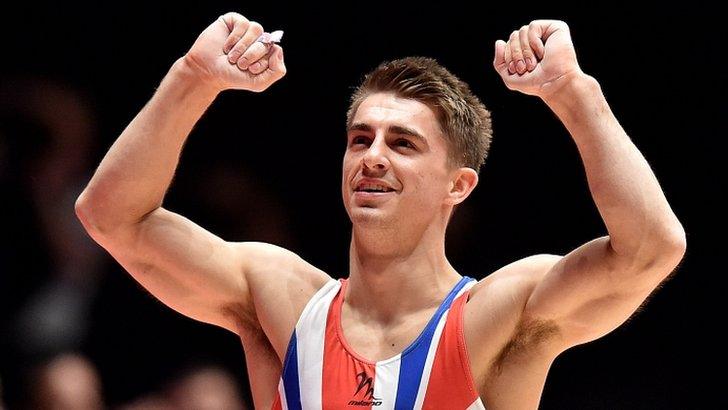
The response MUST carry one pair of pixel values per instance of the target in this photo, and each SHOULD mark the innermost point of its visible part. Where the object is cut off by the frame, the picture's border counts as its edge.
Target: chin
(370, 217)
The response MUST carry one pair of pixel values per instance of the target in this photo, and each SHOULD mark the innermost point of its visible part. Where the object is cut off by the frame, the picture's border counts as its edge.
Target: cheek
(350, 159)
(428, 187)
(346, 176)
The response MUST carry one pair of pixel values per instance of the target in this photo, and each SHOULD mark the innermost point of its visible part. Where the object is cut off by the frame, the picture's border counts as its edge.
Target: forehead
(380, 110)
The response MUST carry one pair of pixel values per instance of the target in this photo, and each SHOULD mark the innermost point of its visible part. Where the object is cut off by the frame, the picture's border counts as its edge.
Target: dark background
(661, 70)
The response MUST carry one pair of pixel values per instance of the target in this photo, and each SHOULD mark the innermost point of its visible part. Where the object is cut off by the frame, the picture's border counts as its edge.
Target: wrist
(569, 86)
(572, 93)
(186, 72)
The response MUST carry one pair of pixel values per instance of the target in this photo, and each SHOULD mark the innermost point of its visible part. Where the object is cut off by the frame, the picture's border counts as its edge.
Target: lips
(366, 198)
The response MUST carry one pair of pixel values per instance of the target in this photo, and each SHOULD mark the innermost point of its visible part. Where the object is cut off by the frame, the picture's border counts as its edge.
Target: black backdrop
(660, 69)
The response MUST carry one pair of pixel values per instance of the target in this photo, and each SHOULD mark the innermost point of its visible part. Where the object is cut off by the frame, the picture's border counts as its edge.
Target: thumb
(277, 65)
(275, 71)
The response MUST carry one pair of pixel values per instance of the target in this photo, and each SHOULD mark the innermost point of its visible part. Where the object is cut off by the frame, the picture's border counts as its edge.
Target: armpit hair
(528, 336)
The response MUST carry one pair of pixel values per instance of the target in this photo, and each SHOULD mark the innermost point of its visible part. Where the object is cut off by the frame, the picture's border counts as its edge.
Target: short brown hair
(463, 119)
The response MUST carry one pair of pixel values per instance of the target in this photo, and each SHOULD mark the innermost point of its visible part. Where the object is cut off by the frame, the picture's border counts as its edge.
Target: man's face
(395, 166)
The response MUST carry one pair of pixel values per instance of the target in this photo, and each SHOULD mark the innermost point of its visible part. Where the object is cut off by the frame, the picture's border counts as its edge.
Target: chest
(375, 342)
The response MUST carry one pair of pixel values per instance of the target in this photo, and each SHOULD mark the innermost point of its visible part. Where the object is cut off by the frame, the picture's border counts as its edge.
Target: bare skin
(517, 320)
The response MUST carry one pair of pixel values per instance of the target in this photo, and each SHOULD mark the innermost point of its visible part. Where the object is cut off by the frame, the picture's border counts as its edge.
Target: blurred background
(77, 331)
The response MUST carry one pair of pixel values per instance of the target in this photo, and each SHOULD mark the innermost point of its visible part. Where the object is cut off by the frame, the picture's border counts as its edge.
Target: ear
(463, 182)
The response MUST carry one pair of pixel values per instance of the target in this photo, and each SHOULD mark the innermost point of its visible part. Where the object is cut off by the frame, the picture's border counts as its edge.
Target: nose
(375, 158)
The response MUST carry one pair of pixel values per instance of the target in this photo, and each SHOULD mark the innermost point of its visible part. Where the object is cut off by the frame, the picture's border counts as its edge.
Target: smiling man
(405, 329)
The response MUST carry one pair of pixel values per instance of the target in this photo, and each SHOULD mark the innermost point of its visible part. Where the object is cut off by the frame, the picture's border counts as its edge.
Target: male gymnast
(405, 329)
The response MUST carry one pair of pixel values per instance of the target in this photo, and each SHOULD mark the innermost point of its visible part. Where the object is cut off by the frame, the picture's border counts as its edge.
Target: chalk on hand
(269, 38)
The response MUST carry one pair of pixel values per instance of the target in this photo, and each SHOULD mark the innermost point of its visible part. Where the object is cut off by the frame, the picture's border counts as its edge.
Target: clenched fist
(226, 55)
(536, 57)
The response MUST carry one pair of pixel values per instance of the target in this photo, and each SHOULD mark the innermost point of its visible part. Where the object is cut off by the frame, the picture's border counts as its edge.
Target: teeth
(373, 187)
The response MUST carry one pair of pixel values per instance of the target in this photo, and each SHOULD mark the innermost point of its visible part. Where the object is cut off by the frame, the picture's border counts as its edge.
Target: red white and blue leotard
(321, 371)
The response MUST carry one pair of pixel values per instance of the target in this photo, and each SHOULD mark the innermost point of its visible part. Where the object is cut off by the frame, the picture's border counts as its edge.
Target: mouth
(372, 190)
(373, 186)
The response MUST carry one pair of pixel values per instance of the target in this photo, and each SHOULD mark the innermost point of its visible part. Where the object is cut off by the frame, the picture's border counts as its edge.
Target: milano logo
(366, 387)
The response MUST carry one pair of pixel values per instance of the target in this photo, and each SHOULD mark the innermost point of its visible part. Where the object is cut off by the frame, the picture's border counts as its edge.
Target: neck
(393, 273)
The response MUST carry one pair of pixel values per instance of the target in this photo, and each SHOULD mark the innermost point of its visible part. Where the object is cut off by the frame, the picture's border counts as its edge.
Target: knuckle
(236, 18)
(524, 28)
(241, 26)
(255, 27)
(514, 35)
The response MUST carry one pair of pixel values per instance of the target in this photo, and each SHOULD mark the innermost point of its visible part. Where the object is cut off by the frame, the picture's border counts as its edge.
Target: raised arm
(596, 287)
(182, 264)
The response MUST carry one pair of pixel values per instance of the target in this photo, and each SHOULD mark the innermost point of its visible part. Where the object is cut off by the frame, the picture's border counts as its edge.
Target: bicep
(185, 266)
(590, 291)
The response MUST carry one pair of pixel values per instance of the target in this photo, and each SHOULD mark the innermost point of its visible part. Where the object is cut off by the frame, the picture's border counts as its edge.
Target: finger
(549, 27)
(528, 57)
(254, 53)
(499, 57)
(535, 31)
(516, 53)
(263, 63)
(251, 34)
(508, 59)
(237, 24)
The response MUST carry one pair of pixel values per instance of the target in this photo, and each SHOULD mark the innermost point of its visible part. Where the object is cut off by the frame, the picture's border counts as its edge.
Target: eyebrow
(392, 129)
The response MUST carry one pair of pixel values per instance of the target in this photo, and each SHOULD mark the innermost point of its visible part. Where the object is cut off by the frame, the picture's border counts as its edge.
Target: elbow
(656, 259)
(672, 241)
(667, 253)
(677, 245)
(83, 210)
(679, 239)
(88, 213)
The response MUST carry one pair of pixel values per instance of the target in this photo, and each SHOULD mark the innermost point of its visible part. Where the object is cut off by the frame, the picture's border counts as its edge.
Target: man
(405, 330)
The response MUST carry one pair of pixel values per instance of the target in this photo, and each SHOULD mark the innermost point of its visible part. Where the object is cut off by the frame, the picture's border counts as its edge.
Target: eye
(359, 139)
(404, 143)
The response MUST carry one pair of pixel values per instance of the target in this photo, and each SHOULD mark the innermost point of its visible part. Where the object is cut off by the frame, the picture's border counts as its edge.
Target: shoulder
(271, 265)
(518, 276)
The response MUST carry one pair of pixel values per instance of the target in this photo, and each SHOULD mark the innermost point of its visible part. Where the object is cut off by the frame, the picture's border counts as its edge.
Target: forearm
(133, 177)
(637, 215)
